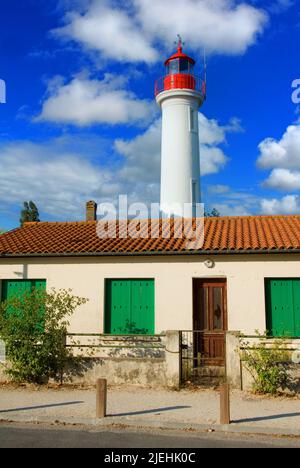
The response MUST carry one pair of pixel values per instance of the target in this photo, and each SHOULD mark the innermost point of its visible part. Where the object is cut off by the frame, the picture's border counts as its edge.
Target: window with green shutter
(16, 288)
(283, 306)
(129, 307)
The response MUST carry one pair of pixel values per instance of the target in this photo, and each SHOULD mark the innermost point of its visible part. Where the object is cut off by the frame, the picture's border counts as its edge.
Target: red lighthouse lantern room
(180, 74)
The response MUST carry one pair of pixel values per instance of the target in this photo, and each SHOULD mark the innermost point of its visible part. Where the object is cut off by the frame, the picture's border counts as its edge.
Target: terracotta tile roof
(221, 235)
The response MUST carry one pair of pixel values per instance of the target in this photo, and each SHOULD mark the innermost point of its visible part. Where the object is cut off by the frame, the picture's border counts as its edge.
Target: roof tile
(224, 234)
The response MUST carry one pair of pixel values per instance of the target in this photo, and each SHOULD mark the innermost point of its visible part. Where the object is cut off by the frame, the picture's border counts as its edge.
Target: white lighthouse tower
(180, 93)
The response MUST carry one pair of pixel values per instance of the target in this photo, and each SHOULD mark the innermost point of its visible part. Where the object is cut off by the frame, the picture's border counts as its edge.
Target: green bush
(33, 327)
(267, 363)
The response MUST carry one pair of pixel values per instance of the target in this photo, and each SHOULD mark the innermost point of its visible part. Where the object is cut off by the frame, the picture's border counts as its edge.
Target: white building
(246, 277)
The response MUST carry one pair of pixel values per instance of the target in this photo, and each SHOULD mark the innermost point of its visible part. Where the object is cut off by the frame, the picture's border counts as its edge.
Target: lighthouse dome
(179, 55)
(179, 62)
(179, 74)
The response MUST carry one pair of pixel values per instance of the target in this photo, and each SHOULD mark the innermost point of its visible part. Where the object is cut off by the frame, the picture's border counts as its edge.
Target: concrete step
(208, 377)
(210, 371)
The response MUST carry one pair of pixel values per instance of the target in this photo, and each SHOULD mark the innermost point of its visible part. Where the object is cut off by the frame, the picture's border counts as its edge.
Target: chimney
(91, 211)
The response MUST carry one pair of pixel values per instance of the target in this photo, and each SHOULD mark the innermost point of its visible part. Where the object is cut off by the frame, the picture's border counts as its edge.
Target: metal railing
(193, 82)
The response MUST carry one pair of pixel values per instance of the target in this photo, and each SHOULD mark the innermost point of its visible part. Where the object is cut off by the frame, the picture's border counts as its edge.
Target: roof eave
(151, 253)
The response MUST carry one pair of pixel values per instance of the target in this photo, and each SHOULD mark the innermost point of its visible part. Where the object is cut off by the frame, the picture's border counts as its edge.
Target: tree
(1, 231)
(30, 213)
(33, 326)
(212, 214)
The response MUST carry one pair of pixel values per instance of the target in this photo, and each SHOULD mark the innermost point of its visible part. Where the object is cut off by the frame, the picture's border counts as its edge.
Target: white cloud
(230, 201)
(283, 156)
(53, 174)
(223, 26)
(84, 101)
(283, 179)
(249, 204)
(218, 189)
(290, 204)
(131, 31)
(212, 134)
(111, 31)
(61, 174)
(212, 159)
(284, 153)
(232, 209)
(133, 169)
(142, 153)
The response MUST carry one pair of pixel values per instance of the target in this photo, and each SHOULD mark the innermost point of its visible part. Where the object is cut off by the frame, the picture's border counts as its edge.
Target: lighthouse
(180, 93)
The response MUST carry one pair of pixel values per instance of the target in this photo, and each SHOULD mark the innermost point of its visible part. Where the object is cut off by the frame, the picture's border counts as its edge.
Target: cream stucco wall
(173, 276)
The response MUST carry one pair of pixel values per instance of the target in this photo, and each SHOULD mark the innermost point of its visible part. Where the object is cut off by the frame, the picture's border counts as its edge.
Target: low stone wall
(140, 372)
(150, 361)
(237, 373)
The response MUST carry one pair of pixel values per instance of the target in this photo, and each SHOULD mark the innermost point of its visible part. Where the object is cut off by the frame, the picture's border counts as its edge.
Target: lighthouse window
(194, 190)
(174, 67)
(184, 66)
(192, 120)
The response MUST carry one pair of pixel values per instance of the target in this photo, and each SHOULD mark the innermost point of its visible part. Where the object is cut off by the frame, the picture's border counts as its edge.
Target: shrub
(267, 363)
(33, 327)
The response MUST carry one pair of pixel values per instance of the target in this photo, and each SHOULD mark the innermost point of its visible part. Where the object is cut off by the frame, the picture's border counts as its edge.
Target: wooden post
(225, 404)
(101, 398)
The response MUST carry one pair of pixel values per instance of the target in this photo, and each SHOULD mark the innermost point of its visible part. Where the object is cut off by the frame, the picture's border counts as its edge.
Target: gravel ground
(186, 406)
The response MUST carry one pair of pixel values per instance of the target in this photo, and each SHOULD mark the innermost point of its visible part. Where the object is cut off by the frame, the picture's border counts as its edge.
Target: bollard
(101, 398)
(225, 404)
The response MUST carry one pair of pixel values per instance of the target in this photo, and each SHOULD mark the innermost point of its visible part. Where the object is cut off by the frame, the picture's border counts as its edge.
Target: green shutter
(142, 308)
(283, 307)
(118, 307)
(296, 300)
(40, 285)
(129, 307)
(16, 288)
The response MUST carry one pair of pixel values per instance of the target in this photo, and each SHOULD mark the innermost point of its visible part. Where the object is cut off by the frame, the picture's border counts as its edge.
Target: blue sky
(80, 121)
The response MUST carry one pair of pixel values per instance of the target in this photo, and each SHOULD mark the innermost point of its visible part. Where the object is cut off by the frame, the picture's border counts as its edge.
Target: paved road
(12, 436)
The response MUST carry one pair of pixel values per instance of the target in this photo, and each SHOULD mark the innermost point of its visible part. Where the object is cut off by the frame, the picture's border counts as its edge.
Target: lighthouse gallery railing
(180, 81)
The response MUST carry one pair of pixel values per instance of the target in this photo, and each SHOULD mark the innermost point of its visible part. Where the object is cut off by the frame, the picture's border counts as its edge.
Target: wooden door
(210, 321)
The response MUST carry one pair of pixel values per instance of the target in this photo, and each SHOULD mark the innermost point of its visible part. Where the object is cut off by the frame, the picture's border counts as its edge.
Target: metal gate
(202, 355)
